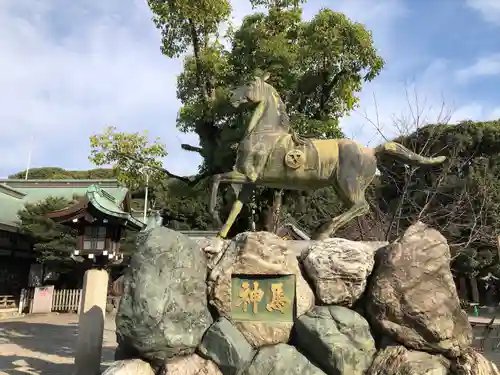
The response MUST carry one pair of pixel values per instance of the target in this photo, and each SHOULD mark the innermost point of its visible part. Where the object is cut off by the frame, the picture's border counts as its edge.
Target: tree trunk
(196, 51)
(205, 128)
(273, 214)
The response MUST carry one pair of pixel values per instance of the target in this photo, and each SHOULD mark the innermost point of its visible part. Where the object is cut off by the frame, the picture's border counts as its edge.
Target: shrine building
(100, 216)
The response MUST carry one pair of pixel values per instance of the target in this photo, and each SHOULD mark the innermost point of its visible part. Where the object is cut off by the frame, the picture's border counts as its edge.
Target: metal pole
(146, 197)
(29, 158)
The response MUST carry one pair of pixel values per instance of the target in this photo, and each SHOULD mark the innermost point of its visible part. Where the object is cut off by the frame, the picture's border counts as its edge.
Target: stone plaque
(263, 298)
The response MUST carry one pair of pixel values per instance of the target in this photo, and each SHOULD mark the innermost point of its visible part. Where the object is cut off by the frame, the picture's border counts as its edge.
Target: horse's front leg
(235, 179)
(216, 247)
(243, 196)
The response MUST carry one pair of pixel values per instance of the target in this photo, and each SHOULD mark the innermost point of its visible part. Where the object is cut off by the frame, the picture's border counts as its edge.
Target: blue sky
(69, 68)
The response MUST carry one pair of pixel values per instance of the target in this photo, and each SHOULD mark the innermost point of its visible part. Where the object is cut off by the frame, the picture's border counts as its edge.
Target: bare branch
(191, 181)
(187, 147)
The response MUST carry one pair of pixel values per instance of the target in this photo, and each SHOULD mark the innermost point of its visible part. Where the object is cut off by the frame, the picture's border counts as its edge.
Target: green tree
(51, 241)
(192, 27)
(57, 173)
(134, 158)
(183, 207)
(312, 209)
(318, 67)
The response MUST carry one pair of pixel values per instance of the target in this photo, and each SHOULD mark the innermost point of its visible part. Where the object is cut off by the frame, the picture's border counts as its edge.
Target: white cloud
(68, 69)
(475, 112)
(429, 98)
(63, 81)
(489, 9)
(495, 113)
(468, 112)
(484, 66)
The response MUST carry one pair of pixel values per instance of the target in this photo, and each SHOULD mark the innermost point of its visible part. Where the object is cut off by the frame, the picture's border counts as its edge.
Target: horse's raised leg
(234, 178)
(355, 172)
(216, 249)
(243, 197)
(357, 209)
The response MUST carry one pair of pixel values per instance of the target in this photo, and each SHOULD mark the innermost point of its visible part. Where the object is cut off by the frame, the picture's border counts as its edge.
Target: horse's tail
(405, 155)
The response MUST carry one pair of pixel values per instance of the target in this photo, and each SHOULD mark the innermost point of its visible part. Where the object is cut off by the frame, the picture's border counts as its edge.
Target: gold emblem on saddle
(295, 159)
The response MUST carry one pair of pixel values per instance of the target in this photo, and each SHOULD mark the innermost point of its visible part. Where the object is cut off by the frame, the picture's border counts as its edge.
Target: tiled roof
(14, 194)
(106, 203)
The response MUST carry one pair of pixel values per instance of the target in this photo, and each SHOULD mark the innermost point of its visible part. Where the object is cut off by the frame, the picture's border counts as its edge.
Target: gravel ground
(45, 344)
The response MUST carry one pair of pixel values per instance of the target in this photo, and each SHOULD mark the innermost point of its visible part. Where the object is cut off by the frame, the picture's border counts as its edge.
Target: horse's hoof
(214, 248)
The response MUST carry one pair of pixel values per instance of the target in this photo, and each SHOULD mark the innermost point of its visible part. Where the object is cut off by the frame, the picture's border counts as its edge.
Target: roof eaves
(95, 195)
(9, 226)
(8, 190)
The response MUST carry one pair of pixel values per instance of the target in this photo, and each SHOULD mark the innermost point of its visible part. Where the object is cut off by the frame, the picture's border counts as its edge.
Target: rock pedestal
(163, 311)
(413, 298)
(267, 319)
(255, 255)
(336, 338)
(339, 269)
(281, 359)
(129, 367)
(396, 360)
(225, 345)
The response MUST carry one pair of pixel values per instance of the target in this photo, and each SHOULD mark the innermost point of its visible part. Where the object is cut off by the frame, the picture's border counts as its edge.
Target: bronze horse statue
(272, 155)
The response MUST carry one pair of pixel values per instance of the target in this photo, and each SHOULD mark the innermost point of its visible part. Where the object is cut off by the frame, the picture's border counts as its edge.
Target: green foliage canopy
(57, 173)
(183, 207)
(134, 158)
(51, 241)
(318, 66)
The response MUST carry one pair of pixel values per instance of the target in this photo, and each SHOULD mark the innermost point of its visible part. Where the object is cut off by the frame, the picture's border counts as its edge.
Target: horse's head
(252, 92)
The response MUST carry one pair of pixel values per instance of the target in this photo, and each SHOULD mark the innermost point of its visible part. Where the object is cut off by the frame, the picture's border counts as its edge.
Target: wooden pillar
(91, 322)
(462, 289)
(474, 290)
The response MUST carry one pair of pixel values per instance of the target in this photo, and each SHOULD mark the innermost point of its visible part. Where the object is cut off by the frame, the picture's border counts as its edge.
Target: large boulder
(279, 360)
(339, 269)
(397, 360)
(337, 339)
(163, 311)
(258, 254)
(412, 296)
(224, 344)
(473, 363)
(191, 365)
(129, 367)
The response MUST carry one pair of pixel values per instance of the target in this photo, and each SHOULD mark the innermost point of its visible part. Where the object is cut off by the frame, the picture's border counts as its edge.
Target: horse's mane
(283, 114)
(284, 119)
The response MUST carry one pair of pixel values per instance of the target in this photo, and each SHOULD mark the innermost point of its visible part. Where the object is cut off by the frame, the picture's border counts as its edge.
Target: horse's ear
(265, 76)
